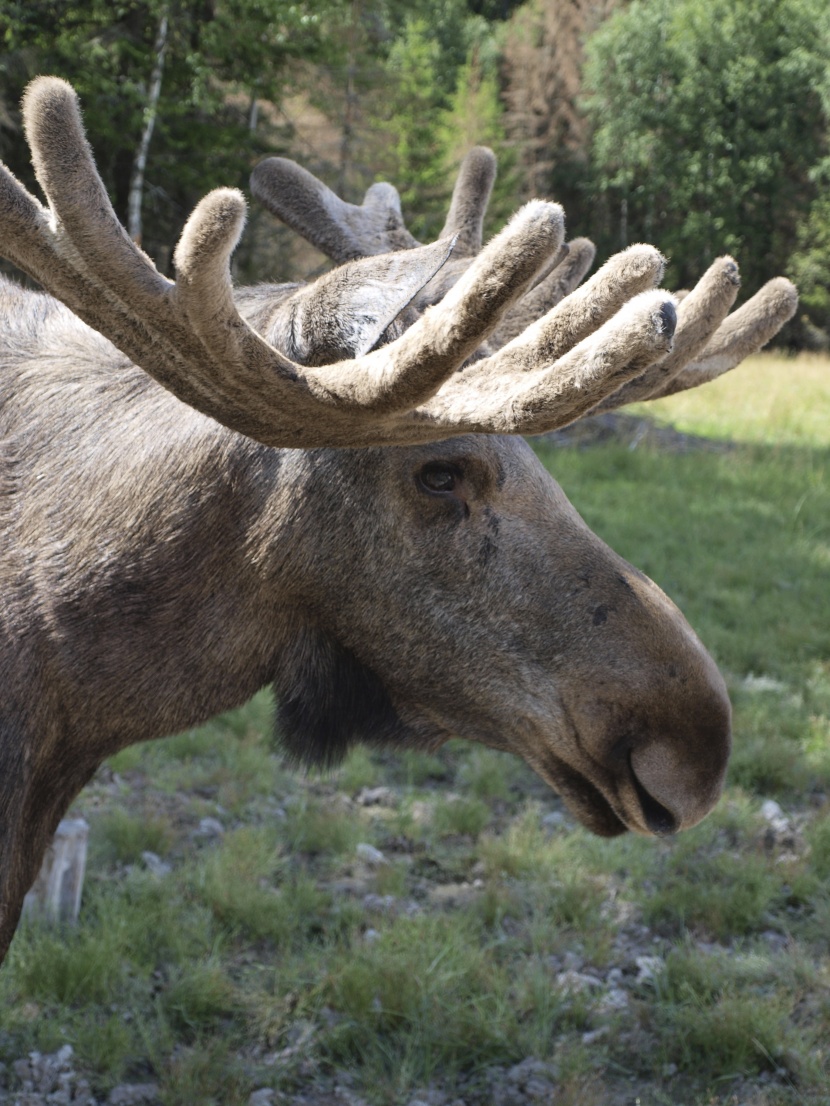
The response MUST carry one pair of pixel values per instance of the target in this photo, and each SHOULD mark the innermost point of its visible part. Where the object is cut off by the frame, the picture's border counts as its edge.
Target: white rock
(370, 855)
(262, 1098)
(377, 796)
(615, 999)
(379, 904)
(594, 1035)
(577, 983)
(774, 816)
(156, 865)
(210, 827)
(649, 968)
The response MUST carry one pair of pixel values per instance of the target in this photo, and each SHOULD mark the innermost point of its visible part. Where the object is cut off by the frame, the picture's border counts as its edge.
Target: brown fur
(158, 565)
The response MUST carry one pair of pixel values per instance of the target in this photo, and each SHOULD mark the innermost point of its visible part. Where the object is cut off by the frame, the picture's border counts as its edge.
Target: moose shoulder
(203, 493)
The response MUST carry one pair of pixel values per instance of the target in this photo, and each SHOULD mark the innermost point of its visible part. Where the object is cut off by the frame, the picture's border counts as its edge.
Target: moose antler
(190, 337)
(706, 343)
(344, 231)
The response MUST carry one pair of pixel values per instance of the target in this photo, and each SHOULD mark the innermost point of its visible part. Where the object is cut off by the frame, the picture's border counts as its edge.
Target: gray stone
(153, 863)
(210, 827)
(134, 1094)
(379, 904)
(263, 1097)
(649, 968)
(377, 796)
(578, 983)
(370, 855)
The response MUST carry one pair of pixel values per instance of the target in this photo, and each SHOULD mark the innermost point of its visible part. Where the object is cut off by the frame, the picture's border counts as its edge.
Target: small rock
(770, 810)
(156, 865)
(370, 855)
(534, 1078)
(377, 796)
(594, 1035)
(573, 961)
(555, 820)
(370, 936)
(430, 1097)
(134, 1094)
(649, 968)
(774, 816)
(379, 904)
(615, 999)
(210, 827)
(453, 894)
(577, 983)
(669, 1070)
(776, 941)
(264, 1097)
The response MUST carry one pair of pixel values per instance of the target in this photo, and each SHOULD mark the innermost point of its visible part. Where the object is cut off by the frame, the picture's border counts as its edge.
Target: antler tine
(699, 315)
(346, 232)
(340, 230)
(559, 283)
(470, 198)
(28, 239)
(66, 172)
(637, 269)
(743, 333)
(543, 399)
(385, 382)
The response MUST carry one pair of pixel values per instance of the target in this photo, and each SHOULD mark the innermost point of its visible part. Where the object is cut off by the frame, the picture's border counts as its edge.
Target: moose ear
(345, 313)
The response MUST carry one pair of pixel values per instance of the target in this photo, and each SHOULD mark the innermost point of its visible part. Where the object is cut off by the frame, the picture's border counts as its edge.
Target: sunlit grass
(768, 399)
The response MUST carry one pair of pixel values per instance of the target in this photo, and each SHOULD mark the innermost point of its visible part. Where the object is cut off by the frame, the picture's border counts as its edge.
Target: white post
(56, 893)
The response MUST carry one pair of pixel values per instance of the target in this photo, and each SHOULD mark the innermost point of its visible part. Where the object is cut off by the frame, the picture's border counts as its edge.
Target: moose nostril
(658, 819)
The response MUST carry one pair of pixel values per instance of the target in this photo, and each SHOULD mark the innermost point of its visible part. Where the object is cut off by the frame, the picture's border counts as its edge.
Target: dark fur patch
(327, 700)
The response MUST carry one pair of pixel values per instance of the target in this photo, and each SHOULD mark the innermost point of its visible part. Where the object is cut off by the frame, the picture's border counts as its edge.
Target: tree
(543, 56)
(220, 57)
(707, 123)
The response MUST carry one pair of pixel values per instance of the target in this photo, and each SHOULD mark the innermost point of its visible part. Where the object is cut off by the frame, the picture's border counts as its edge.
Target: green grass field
(497, 953)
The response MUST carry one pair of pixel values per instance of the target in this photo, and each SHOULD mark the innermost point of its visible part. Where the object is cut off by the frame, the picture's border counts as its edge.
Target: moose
(324, 487)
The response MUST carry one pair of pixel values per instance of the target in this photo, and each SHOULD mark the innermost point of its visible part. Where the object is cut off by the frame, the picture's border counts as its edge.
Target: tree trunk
(150, 112)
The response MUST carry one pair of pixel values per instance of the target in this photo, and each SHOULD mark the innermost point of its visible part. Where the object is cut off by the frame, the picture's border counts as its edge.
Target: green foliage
(122, 836)
(809, 267)
(199, 998)
(708, 120)
(395, 998)
(460, 815)
(218, 59)
(312, 827)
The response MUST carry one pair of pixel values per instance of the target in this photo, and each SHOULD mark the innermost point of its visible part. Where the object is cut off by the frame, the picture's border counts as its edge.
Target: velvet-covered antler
(190, 337)
(707, 343)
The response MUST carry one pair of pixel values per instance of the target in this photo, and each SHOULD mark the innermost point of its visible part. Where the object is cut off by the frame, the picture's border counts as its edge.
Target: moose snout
(665, 772)
(650, 725)
(677, 777)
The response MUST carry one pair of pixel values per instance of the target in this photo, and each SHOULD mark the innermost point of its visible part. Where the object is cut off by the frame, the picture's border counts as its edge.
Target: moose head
(323, 487)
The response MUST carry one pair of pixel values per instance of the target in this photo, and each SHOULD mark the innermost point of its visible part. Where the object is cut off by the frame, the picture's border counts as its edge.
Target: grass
(272, 955)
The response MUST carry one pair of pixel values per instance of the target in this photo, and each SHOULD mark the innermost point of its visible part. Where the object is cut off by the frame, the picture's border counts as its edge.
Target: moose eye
(438, 477)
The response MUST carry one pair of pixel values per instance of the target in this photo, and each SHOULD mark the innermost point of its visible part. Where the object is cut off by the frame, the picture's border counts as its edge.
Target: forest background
(699, 125)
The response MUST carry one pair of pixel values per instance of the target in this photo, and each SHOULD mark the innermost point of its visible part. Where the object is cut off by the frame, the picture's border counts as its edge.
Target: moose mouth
(587, 803)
